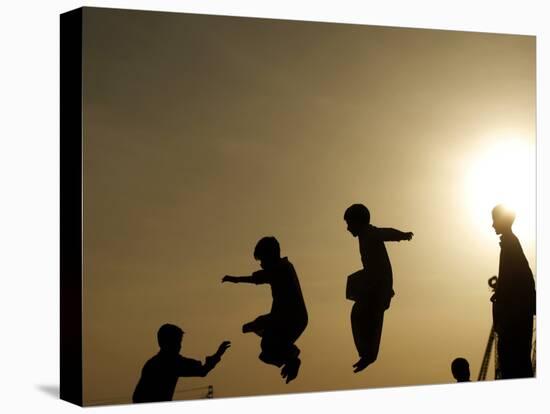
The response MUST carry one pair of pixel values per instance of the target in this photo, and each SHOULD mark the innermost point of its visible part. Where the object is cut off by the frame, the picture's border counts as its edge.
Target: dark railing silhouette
(208, 393)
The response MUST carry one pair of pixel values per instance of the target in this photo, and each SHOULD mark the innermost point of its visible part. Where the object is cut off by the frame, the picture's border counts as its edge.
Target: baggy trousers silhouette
(367, 314)
(367, 320)
(278, 338)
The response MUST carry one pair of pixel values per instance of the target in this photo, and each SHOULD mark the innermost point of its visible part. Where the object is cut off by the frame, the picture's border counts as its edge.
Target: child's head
(357, 216)
(267, 251)
(461, 370)
(169, 338)
(503, 218)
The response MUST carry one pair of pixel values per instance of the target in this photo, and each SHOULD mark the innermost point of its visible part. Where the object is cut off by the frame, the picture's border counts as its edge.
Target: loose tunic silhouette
(372, 287)
(367, 315)
(288, 317)
(513, 309)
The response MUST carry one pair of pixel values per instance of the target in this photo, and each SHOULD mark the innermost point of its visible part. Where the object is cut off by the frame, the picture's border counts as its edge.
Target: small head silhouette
(357, 217)
(503, 218)
(169, 338)
(267, 251)
(461, 370)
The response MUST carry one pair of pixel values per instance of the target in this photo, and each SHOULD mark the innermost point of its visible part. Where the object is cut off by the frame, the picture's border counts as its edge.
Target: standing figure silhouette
(288, 318)
(372, 287)
(160, 374)
(514, 302)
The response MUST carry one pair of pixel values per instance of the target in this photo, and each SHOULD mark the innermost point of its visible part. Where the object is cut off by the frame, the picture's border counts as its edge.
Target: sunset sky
(203, 134)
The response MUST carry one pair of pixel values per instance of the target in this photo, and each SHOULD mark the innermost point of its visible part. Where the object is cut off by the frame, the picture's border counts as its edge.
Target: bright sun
(504, 173)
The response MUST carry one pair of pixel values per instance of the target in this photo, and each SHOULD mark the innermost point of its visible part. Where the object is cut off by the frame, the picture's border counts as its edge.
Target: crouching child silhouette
(372, 287)
(160, 374)
(288, 318)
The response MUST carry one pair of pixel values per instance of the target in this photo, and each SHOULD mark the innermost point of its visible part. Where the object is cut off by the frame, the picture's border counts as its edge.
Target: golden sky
(202, 134)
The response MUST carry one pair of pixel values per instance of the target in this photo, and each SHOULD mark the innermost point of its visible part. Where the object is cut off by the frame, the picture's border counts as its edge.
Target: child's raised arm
(192, 368)
(389, 234)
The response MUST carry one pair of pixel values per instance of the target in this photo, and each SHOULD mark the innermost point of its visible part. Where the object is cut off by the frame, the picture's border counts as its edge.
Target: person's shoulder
(287, 270)
(373, 232)
(286, 264)
(154, 361)
(154, 358)
(509, 240)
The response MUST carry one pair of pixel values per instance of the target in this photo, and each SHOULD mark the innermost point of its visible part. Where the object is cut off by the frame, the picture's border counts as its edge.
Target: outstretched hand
(223, 347)
(409, 236)
(228, 278)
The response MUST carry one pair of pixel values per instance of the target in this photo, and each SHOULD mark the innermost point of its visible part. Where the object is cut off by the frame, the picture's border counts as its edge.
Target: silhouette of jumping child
(372, 287)
(514, 301)
(461, 370)
(160, 374)
(280, 328)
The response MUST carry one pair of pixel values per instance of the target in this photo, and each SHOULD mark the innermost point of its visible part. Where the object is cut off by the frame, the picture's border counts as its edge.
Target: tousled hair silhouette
(267, 247)
(357, 212)
(169, 335)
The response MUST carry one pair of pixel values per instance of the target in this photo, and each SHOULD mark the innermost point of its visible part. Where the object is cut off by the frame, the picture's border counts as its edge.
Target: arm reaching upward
(389, 234)
(211, 361)
(193, 368)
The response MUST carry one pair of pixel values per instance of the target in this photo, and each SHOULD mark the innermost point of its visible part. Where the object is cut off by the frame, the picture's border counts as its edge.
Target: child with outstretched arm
(372, 287)
(288, 318)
